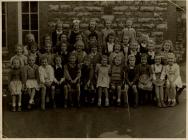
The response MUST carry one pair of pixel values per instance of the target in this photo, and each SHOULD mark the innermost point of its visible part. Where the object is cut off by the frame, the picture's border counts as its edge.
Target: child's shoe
(99, 103)
(107, 102)
(163, 104)
(19, 109)
(65, 104)
(159, 104)
(13, 109)
(118, 102)
(173, 104)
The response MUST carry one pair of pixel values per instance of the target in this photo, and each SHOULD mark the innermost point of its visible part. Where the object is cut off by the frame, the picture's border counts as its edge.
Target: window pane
(3, 22)
(36, 35)
(34, 6)
(34, 22)
(24, 33)
(3, 7)
(25, 21)
(25, 7)
(4, 38)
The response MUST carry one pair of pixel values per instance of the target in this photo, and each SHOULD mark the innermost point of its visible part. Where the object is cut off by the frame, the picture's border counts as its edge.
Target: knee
(113, 87)
(53, 88)
(126, 87)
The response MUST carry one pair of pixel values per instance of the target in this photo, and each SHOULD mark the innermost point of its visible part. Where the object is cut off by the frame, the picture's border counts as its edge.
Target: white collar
(56, 66)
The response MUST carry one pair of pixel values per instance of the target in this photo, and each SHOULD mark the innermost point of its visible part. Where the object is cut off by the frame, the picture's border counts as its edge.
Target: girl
(109, 45)
(116, 51)
(80, 54)
(125, 46)
(134, 51)
(58, 82)
(107, 30)
(158, 81)
(56, 34)
(131, 79)
(72, 74)
(34, 52)
(15, 83)
(103, 80)
(151, 52)
(46, 40)
(166, 49)
(31, 79)
(117, 76)
(128, 30)
(144, 43)
(19, 55)
(29, 40)
(63, 52)
(172, 71)
(46, 77)
(145, 77)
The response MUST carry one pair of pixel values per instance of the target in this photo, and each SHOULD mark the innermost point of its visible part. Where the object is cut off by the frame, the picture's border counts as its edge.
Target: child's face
(19, 50)
(31, 61)
(170, 60)
(117, 61)
(157, 60)
(47, 39)
(63, 47)
(58, 61)
(78, 37)
(134, 47)
(16, 63)
(158, 48)
(92, 39)
(79, 47)
(86, 62)
(144, 60)
(92, 25)
(132, 61)
(30, 39)
(59, 27)
(104, 61)
(48, 47)
(63, 38)
(108, 23)
(111, 39)
(44, 62)
(125, 40)
(33, 48)
(167, 47)
(76, 27)
(117, 48)
(129, 24)
(94, 49)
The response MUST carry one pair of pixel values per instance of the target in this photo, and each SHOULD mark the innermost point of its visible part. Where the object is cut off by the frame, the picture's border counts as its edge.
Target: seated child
(58, 78)
(31, 79)
(103, 79)
(117, 76)
(46, 78)
(15, 83)
(72, 73)
(131, 78)
(29, 40)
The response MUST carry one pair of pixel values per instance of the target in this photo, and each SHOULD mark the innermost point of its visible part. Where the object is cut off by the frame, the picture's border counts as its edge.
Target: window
(4, 25)
(30, 19)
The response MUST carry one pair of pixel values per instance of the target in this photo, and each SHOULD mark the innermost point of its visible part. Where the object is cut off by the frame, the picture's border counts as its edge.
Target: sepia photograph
(93, 69)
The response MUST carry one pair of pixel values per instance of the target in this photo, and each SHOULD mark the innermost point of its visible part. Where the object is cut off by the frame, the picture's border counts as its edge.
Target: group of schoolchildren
(94, 67)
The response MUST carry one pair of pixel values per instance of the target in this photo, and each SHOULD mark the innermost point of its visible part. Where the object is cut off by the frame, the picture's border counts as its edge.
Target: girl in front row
(103, 79)
(15, 83)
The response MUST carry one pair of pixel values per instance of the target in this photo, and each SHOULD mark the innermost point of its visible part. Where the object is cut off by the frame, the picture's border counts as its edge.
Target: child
(29, 40)
(158, 82)
(93, 39)
(144, 43)
(128, 30)
(46, 77)
(173, 81)
(58, 78)
(151, 52)
(103, 79)
(117, 76)
(87, 87)
(63, 52)
(134, 51)
(109, 46)
(116, 51)
(72, 73)
(80, 54)
(15, 83)
(166, 49)
(31, 79)
(125, 46)
(107, 30)
(19, 55)
(56, 35)
(131, 78)
(145, 77)
(46, 39)
(34, 52)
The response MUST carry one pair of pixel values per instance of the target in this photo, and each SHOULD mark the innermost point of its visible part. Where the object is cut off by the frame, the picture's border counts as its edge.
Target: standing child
(166, 49)
(158, 80)
(151, 52)
(128, 30)
(143, 43)
(117, 76)
(46, 77)
(63, 52)
(15, 83)
(125, 46)
(103, 79)
(34, 52)
(134, 51)
(80, 53)
(58, 82)
(19, 55)
(117, 51)
(173, 81)
(109, 45)
(72, 74)
(31, 79)
(29, 40)
(131, 79)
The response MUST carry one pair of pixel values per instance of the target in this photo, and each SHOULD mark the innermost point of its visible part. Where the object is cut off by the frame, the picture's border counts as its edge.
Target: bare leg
(106, 97)
(13, 103)
(53, 96)
(43, 96)
(119, 94)
(99, 95)
(19, 102)
(78, 94)
(65, 96)
(158, 96)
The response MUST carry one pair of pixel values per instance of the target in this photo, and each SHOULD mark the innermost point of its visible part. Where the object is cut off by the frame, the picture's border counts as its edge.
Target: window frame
(5, 14)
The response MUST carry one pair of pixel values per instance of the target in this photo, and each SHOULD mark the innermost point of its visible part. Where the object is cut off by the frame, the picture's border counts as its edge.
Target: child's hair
(110, 34)
(116, 57)
(72, 54)
(62, 35)
(75, 21)
(126, 35)
(144, 55)
(14, 59)
(56, 57)
(28, 36)
(171, 55)
(129, 20)
(91, 22)
(31, 56)
(171, 45)
(58, 23)
(45, 36)
(131, 56)
(104, 57)
(43, 57)
(87, 57)
(35, 45)
(134, 42)
(144, 37)
(19, 46)
(93, 35)
(79, 42)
